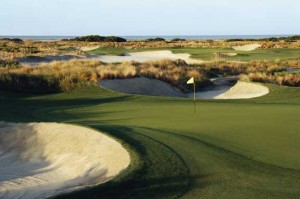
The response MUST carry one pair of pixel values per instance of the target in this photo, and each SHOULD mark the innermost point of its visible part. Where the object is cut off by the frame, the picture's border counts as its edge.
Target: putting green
(227, 149)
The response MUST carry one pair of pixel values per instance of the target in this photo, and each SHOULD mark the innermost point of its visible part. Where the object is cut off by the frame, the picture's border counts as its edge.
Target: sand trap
(149, 56)
(138, 57)
(39, 160)
(88, 48)
(153, 87)
(142, 86)
(244, 90)
(249, 47)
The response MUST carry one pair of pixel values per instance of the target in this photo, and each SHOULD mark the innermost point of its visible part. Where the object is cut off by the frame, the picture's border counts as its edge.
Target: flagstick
(194, 98)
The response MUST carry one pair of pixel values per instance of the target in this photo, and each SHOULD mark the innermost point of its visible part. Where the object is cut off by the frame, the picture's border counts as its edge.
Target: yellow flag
(191, 81)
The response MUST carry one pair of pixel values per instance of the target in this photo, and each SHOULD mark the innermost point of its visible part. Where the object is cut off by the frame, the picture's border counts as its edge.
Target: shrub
(177, 39)
(155, 39)
(97, 38)
(16, 40)
(9, 63)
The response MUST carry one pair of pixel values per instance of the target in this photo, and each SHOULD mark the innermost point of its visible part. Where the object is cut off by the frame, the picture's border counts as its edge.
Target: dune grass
(67, 75)
(227, 149)
(207, 54)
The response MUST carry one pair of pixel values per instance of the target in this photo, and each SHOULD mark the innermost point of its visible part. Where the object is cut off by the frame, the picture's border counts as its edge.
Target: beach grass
(227, 149)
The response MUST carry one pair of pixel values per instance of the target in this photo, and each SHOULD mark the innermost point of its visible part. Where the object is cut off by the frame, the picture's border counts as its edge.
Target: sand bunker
(244, 90)
(149, 56)
(249, 47)
(142, 86)
(153, 87)
(39, 160)
(138, 57)
(88, 48)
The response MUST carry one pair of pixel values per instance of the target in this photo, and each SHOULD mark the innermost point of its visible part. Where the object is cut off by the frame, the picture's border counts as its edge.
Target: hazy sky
(149, 17)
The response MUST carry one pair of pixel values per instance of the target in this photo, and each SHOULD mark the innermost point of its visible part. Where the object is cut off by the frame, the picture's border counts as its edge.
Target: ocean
(188, 37)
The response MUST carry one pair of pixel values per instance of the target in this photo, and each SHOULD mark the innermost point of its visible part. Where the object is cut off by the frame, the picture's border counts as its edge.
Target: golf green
(227, 149)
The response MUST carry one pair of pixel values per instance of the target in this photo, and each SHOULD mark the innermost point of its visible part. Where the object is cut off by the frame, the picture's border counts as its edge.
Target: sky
(149, 17)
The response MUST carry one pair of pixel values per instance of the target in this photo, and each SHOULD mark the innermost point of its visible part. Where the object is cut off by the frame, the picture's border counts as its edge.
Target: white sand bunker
(244, 90)
(249, 47)
(39, 160)
(149, 56)
(142, 86)
(88, 48)
(154, 87)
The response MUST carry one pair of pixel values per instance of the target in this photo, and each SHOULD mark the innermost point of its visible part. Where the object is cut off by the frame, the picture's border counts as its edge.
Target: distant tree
(16, 40)
(156, 39)
(177, 39)
(97, 38)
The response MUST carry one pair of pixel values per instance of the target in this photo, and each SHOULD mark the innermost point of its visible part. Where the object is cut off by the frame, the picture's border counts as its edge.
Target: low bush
(155, 39)
(285, 79)
(9, 64)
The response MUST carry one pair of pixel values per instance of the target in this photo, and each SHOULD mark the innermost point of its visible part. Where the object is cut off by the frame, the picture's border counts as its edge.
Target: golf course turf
(227, 149)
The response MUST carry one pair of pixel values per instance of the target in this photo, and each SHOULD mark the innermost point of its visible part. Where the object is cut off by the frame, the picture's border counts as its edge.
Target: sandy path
(153, 87)
(39, 160)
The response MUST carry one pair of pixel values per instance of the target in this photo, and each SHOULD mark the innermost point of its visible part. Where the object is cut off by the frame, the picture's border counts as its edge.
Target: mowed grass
(207, 54)
(227, 149)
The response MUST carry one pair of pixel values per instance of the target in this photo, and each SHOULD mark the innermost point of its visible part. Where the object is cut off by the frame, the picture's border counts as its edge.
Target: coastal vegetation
(97, 38)
(9, 64)
(62, 76)
(66, 76)
(155, 39)
(294, 38)
(199, 49)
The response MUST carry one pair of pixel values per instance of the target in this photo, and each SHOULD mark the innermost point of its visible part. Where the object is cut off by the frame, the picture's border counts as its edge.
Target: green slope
(227, 149)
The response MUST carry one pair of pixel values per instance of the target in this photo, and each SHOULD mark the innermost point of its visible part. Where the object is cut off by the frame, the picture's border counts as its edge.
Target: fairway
(227, 149)
(207, 54)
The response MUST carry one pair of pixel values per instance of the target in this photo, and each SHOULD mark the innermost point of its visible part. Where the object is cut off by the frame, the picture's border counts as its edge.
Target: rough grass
(66, 76)
(285, 79)
(227, 149)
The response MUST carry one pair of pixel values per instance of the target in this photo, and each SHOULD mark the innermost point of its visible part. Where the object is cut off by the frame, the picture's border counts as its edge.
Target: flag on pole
(191, 81)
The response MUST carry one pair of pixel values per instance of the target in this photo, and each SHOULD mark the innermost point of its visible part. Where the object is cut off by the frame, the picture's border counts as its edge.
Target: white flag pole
(194, 97)
(192, 81)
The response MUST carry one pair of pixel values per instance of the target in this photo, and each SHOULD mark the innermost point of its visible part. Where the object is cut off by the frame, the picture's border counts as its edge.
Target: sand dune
(39, 160)
(153, 87)
(249, 47)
